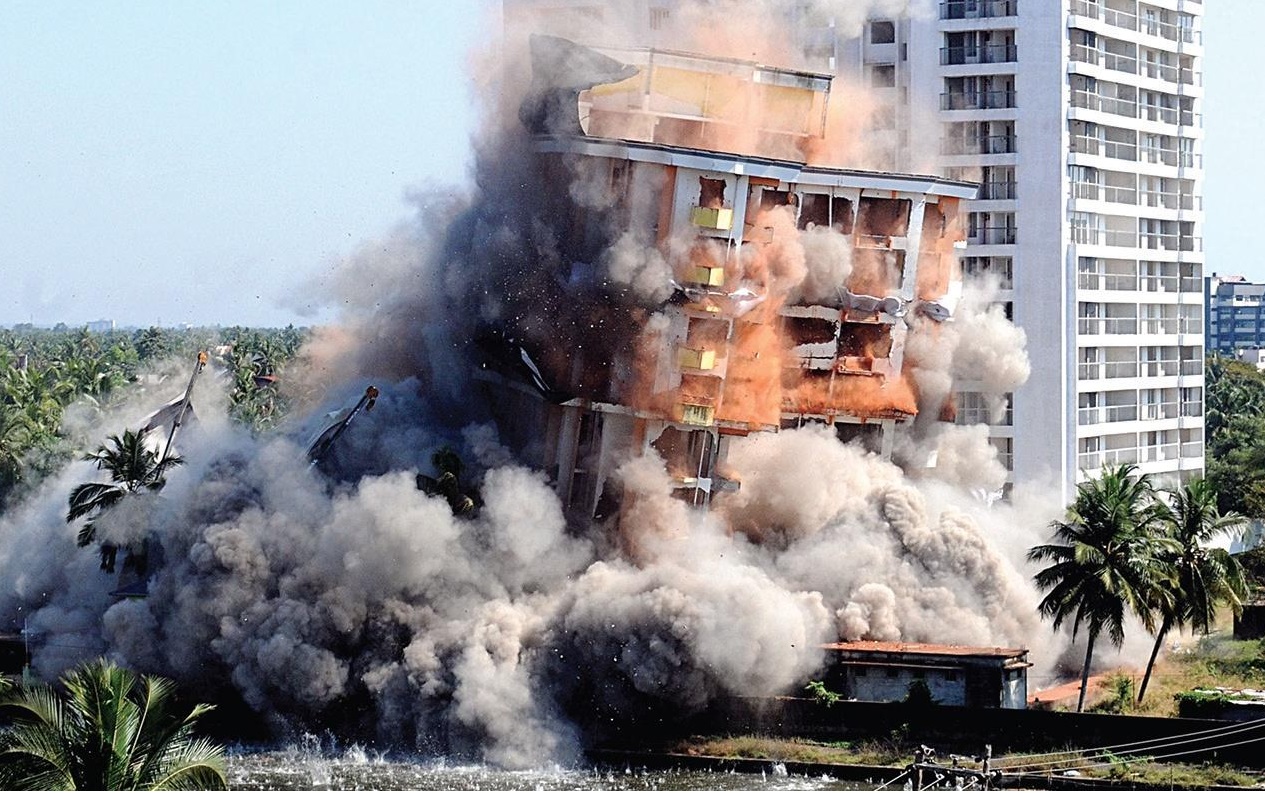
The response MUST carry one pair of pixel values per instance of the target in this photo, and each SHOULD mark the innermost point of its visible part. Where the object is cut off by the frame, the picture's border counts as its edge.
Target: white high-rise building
(1082, 119)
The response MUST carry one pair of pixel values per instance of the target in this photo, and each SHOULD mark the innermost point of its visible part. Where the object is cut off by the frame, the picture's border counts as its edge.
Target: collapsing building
(747, 290)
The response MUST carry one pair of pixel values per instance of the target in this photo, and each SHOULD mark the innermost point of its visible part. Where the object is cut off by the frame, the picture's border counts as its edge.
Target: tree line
(43, 372)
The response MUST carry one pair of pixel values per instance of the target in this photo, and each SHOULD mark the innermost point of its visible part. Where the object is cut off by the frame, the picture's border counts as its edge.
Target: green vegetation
(1204, 578)
(1234, 430)
(1107, 561)
(109, 730)
(1126, 548)
(797, 750)
(134, 468)
(44, 372)
(822, 694)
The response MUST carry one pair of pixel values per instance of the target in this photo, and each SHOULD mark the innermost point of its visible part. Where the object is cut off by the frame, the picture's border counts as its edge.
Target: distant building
(975, 677)
(1233, 306)
(101, 326)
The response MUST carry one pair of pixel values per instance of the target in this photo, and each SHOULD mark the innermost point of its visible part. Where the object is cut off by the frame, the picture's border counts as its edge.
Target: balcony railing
(1158, 283)
(1169, 242)
(1160, 326)
(1153, 454)
(1192, 366)
(978, 9)
(1168, 115)
(988, 144)
(1195, 449)
(1104, 104)
(1158, 411)
(1108, 281)
(1096, 192)
(992, 235)
(996, 191)
(975, 54)
(1083, 144)
(1170, 200)
(1114, 326)
(1167, 368)
(1119, 456)
(977, 100)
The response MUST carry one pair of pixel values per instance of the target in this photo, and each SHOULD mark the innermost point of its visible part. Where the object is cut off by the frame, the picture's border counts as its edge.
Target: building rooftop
(913, 648)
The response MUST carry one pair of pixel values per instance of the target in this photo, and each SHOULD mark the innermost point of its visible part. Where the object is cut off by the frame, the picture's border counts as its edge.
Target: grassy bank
(1196, 662)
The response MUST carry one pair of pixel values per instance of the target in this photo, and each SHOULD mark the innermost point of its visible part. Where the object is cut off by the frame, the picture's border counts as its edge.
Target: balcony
(1104, 104)
(987, 144)
(978, 9)
(1169, 242)
(992, 235)
(1166, 368)
(996, 191)
(983, 53)
(1108, 282)
(977, 100)
(1082, 144)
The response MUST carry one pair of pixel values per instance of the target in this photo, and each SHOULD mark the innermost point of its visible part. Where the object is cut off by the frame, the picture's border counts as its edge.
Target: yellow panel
(701, 415)
(696, 359)
(720, 218)
(708, 276)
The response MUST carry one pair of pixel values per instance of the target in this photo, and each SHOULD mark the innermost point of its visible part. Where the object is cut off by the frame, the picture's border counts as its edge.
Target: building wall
(891, 683)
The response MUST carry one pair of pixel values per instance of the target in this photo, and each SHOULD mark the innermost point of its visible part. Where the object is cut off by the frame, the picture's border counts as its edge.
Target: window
(883, 32)
(883, 75)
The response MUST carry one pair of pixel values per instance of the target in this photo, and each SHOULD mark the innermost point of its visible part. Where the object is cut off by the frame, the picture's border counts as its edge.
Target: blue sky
(181, 162)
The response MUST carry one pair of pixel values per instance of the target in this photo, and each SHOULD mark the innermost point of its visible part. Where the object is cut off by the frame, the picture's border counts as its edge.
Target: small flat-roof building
(975, 677)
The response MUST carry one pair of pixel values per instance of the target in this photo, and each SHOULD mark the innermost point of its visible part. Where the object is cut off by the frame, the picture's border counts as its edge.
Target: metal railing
(1169, 242)
(1118, 456)
(996, 191)
(1165, 368)
(1108, 281)
(981, 53)
(978, 9)
(1152, 454)
(1158, 411)
(1083, 144)
(1090, 100)
(976, 100)
(987, 144)
(1113, 326)
(1158, 283)
(1192, 366)
(992, 235)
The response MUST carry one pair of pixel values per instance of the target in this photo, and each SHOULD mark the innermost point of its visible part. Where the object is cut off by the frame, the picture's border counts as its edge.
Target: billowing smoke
(345, 594)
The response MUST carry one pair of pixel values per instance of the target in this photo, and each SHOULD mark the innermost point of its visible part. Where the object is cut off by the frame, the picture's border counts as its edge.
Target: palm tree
(110, 731)
(133, 468)
(1103, 564)
(449, 465)
(1206, 577)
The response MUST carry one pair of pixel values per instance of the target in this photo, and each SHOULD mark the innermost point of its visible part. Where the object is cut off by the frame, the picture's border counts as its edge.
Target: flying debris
(326, 439)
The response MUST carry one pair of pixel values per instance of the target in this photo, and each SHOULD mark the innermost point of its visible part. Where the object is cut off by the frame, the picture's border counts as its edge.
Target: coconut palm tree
(110, 730)
(1104, 560)
(1205, 577)
(133, 468)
